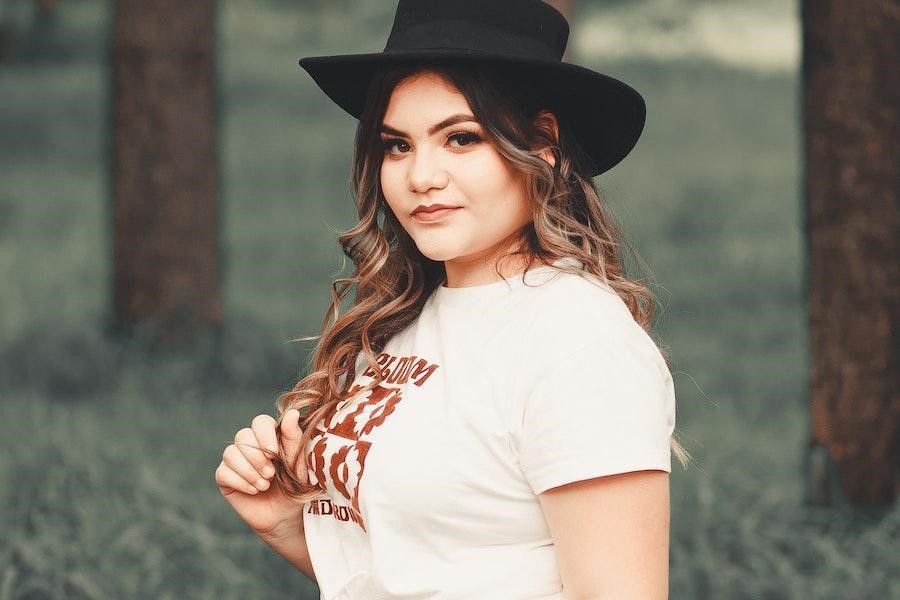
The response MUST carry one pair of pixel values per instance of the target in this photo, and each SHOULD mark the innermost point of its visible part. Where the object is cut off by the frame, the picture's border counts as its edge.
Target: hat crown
(524, 28)
(526, 38)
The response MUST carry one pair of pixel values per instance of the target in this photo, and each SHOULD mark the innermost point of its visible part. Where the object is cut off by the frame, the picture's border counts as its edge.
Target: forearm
(292, 547)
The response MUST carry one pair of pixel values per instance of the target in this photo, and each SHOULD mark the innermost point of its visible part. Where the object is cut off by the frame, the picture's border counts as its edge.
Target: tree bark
(851, 100)
(164, 169)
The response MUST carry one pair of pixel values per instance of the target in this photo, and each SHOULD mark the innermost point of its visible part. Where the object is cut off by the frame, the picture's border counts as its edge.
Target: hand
(244, 476)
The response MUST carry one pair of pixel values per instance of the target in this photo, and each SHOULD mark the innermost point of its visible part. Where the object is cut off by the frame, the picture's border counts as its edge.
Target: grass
(108, 475)
(113, 497)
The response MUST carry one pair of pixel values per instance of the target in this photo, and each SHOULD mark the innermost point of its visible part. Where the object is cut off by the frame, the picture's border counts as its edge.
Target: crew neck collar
(478, 296)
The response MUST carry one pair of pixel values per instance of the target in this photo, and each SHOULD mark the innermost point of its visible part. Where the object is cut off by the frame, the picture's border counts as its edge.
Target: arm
(612, 535)
(292, 547)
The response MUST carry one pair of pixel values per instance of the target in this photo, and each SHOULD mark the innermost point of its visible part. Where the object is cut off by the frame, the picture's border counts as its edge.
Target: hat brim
(605, 114)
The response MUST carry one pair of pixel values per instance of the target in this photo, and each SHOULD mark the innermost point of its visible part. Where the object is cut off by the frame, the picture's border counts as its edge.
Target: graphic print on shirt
(338, 455)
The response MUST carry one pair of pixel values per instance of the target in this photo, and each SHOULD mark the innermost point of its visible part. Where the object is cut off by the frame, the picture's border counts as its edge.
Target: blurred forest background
(109, 450)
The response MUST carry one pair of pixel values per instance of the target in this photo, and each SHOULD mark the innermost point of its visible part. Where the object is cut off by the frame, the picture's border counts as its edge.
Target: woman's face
(436, 153)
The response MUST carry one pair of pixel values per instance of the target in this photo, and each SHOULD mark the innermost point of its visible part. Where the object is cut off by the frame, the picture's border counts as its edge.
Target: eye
(462, 138)
(465, 138)
(389, 143)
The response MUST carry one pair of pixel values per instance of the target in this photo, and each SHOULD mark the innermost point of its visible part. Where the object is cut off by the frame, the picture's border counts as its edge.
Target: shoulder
(581, 314)
(574, 309)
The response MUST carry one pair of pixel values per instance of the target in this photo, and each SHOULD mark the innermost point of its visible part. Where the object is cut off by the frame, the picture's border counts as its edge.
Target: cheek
(495, 170)
(383, 176)
(493, 183)
(390, 184)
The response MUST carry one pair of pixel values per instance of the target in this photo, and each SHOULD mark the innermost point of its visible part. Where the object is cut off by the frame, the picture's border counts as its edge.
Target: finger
(263, 427)
(290, 439)
(235, 459)
(249, 445)
(229, 481)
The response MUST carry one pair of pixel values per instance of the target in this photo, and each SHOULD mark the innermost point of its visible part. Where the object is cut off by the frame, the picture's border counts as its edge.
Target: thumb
(290, 441)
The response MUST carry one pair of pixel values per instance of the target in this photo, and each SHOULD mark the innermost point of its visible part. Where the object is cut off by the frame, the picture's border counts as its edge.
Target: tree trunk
(164, 169)
(851, 100)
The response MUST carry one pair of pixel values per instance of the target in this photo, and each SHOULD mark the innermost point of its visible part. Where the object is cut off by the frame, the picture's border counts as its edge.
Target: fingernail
(262, 484)
(268, 471)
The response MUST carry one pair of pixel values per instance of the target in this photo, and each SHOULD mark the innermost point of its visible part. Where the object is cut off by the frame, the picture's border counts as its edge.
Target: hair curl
(393, 279)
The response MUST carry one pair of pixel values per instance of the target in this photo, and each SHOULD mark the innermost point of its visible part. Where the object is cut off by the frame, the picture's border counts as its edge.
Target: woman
(490, 418)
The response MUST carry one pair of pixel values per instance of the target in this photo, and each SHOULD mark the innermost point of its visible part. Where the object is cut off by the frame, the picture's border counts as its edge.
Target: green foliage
(116, 499)
(110, 450)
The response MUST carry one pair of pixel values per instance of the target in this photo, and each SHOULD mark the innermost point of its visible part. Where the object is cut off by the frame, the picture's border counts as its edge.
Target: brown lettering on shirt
(344, 438)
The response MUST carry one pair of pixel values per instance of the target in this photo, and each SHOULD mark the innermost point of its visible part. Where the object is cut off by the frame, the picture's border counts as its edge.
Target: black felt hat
(526, 37)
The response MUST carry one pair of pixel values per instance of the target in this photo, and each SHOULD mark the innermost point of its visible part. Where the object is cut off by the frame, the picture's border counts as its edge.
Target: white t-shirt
(494, 394)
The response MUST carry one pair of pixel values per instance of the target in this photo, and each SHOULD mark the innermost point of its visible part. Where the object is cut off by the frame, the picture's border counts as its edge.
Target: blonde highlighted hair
(392, 279)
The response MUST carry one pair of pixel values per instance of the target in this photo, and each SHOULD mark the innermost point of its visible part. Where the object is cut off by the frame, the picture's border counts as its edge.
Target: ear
(546, 121)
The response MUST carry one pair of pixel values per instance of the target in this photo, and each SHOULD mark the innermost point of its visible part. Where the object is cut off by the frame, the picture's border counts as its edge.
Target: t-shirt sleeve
(606, 408)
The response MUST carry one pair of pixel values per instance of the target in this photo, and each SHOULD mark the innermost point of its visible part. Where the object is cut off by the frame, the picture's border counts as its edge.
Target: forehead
(423, 99)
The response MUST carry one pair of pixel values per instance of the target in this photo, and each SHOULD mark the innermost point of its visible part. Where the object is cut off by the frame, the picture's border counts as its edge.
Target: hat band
(466, 35)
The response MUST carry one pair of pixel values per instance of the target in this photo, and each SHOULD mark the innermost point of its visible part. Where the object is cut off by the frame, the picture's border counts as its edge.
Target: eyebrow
(452, 120)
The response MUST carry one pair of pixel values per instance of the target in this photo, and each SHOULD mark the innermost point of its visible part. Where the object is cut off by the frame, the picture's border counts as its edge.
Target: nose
(426, 172)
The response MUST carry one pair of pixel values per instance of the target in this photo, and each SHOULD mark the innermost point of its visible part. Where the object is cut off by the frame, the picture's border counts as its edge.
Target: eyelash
(473, 138)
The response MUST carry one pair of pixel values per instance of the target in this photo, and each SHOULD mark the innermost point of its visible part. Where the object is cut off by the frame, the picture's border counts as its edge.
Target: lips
(432, 208)
(434, 216)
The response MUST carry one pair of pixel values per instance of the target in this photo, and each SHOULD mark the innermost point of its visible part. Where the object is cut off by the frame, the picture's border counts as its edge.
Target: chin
(438, 256)
(436, 253)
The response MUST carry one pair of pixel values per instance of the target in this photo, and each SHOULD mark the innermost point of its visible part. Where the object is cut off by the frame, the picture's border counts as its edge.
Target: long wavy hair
(393, 279)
